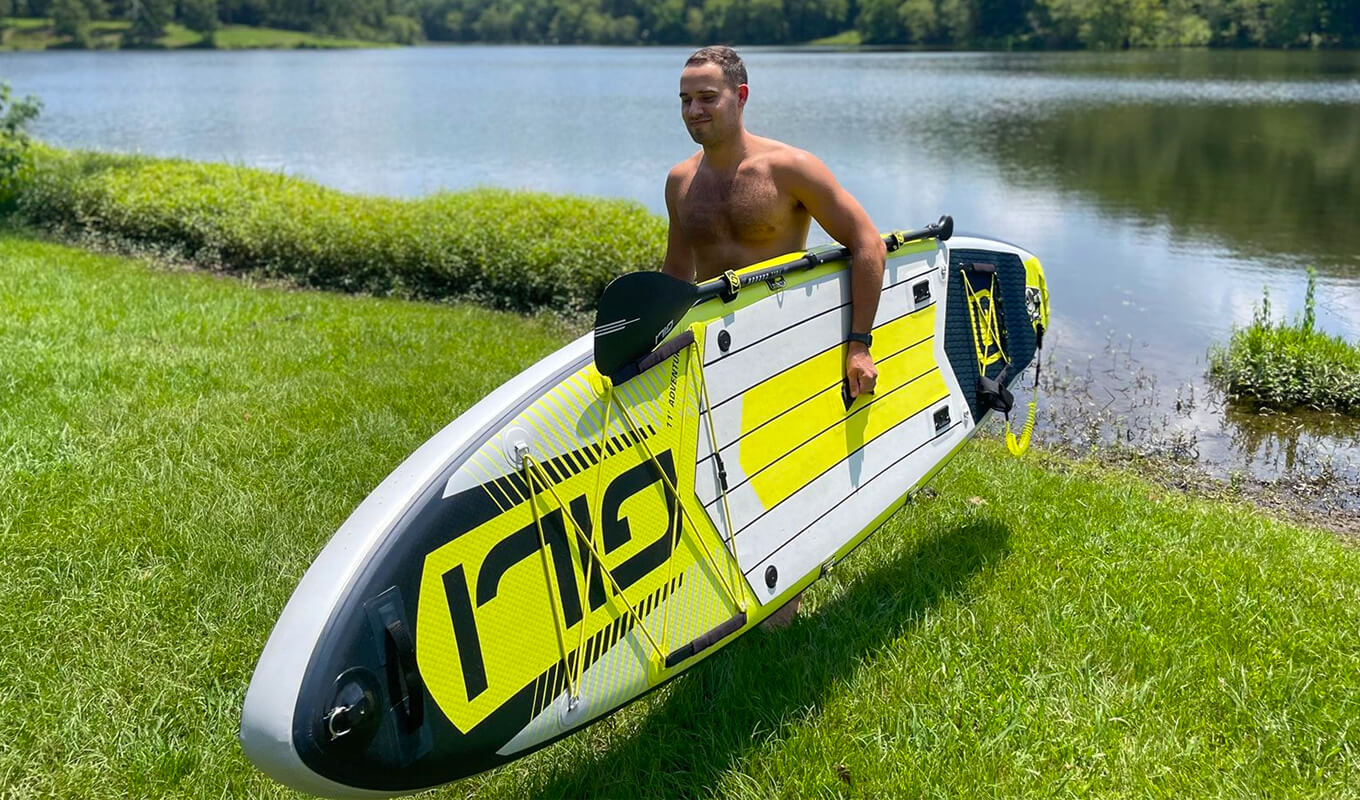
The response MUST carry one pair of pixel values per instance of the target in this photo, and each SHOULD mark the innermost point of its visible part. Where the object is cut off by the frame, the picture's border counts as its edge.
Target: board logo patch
(501, 604)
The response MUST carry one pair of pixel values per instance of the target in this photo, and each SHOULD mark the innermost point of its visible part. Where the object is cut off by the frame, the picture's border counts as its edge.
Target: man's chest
(740, 208)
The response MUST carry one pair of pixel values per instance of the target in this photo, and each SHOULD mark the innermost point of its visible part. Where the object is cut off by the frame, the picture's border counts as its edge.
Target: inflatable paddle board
(627, 506)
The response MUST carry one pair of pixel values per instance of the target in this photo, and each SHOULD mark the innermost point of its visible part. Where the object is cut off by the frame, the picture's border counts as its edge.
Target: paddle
(638, 310)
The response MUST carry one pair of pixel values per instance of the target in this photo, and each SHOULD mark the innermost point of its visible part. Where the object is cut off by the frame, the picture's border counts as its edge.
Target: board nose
(266, 732)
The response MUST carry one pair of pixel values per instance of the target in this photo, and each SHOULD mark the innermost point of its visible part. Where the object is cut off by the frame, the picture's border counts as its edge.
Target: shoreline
(1319, 498)
(242, 221)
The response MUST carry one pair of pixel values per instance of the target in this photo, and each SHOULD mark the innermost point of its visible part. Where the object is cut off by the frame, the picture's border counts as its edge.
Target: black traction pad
(1017, 336)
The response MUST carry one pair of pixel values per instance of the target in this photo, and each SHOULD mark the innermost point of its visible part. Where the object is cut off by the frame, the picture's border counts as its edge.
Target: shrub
(1284, 366)
(15, 115)
(511, 249)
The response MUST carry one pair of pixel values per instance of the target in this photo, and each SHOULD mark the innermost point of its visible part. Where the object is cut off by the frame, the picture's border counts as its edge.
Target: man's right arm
(679, 259)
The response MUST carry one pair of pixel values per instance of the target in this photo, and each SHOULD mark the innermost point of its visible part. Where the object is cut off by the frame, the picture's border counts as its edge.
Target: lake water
(1162, 190)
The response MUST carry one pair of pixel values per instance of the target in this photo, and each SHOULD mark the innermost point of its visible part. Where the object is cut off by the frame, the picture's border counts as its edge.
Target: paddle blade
(635, 313)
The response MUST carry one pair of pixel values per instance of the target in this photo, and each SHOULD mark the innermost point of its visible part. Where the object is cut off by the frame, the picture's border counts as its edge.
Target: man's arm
(841, 215)
(679, 259)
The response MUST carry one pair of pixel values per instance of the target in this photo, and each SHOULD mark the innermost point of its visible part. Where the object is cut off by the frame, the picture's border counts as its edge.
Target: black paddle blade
(635, 313)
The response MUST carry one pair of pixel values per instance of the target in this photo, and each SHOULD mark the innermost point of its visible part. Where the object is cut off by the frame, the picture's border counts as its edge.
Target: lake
(1163, 190)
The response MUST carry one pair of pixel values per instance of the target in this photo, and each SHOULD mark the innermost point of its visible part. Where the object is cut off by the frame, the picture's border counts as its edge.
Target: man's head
(713, 92)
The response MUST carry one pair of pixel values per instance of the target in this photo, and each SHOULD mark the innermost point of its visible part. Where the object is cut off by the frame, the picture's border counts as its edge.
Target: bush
(1285, 366)
(15, 115)
(511, 249)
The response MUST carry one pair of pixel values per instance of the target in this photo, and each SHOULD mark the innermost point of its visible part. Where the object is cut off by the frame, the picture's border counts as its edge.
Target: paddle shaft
(819, 255)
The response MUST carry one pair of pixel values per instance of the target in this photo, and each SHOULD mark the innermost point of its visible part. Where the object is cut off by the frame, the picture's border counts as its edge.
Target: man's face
(710, 107)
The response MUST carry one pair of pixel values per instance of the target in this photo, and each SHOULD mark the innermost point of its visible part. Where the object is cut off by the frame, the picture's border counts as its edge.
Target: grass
(244, 37)
(1283, 365)
(36, 33)
(178, 446)
(25, 33)
(850, 38)
(518, 250)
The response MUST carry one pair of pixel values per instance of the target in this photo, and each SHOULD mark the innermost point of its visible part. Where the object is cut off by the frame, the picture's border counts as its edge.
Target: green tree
(696, 27)
(1246, 22)
(33, 8)
(813, 19)
(1002, 19)
(766, 22)
(1181, 26)
(879, 22)
(72, 18)
(402, 30)
(453, 24)
(199, 16)
(495, 24)
(958, 18)
(920, 20)
(664, 22)
(1294, 22)
(1341, 19)
(148, 18)
(624, 30)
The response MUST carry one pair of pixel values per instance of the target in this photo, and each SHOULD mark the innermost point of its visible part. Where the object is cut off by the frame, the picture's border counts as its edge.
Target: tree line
(1038, 24)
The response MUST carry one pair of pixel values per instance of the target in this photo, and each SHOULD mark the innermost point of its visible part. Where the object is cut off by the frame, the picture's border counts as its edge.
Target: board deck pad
(570, 543)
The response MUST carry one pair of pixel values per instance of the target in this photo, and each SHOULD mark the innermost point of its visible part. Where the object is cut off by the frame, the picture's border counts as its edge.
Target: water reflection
(1301, 441)
(1183, 65)
(1277, 181)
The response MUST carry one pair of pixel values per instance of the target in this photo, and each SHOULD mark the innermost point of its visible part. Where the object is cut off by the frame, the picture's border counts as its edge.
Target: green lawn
(850, 38)
(242, 37)
(25, 33)
(177, 446)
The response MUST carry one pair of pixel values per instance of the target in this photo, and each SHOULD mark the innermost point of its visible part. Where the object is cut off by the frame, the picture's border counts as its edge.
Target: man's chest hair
(741, 207)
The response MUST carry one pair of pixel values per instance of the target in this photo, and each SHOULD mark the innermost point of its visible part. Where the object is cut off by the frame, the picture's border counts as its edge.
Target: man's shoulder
(776, 150)
(685, 169)
(786, 162)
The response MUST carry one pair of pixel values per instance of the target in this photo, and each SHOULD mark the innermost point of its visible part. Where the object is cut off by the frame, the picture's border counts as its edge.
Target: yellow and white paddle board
(575, 540)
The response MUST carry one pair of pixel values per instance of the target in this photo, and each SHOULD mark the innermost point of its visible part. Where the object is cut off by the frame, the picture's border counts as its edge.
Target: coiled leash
(986, 321)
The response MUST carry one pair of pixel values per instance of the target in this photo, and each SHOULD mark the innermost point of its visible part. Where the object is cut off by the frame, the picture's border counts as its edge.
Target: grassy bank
(517, 250)
(1286, 365)
(179, 446)
(34, 33)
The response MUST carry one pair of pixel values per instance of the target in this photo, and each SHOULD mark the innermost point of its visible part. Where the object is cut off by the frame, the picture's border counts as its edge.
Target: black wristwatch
(866, 339)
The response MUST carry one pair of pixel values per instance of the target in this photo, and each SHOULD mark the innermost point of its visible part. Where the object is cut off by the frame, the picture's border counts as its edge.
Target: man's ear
(742, 92)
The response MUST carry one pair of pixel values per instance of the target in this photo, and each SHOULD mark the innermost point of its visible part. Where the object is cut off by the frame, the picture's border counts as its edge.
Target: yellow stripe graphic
(783, 449)
(773, 441)
(775, 396)
(797, 469)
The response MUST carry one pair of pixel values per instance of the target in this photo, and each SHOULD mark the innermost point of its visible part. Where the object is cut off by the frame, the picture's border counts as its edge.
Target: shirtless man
(744, 198)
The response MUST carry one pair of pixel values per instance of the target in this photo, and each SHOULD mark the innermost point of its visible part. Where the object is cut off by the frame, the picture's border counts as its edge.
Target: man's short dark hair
(734, 72)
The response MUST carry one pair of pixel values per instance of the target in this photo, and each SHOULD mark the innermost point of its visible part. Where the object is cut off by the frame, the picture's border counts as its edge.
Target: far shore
(34, 34)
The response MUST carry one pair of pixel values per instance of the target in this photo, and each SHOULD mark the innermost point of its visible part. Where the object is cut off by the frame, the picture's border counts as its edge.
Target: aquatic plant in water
(1283, 365)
